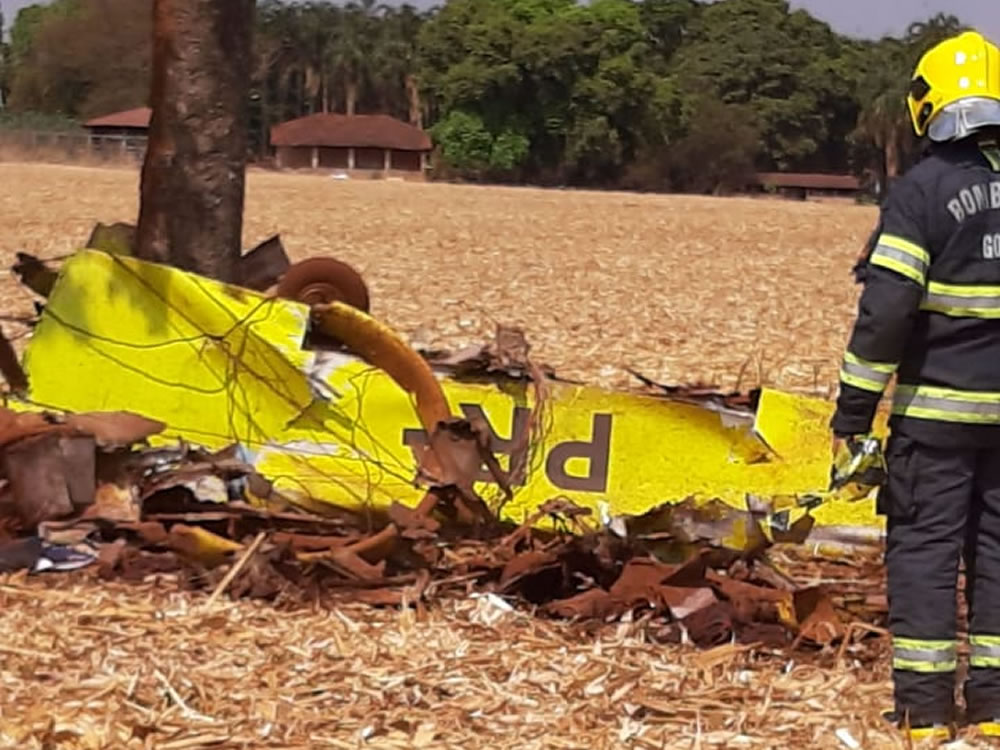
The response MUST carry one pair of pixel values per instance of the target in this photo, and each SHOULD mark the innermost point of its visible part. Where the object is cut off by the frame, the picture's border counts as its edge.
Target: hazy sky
(871, 18)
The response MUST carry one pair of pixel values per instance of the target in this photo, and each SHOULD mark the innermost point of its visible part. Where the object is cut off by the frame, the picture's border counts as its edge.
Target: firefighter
(929, 316)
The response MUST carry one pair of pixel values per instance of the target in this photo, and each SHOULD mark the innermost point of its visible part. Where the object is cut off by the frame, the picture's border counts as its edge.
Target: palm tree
(395, 62)
(884, 121)
(4, 57)
(923, 35)
(269, 79)
(318, 34)
(351, 52)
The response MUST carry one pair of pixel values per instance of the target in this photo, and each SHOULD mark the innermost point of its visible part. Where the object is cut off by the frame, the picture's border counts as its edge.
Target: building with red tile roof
(373, 143)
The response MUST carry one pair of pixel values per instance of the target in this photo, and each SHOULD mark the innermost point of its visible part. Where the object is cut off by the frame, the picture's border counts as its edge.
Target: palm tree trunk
(351, 96)
(265, 116)
(314, 89)
(301, 93)
(416, 105)
(892, 155)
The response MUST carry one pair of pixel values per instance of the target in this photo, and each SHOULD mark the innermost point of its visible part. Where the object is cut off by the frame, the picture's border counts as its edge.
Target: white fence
(42, 144)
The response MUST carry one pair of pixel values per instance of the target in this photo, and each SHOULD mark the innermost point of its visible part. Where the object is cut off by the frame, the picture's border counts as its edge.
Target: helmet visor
(964, 117)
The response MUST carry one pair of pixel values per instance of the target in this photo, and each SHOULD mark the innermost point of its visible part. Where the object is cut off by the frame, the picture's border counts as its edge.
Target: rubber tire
(317, 280)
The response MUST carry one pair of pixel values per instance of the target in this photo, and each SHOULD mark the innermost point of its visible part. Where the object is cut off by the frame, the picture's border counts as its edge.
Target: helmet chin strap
(988, 140)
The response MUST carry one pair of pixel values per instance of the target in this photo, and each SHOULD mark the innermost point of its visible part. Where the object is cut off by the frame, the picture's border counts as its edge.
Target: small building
(133, 122)
(804, 186)
(122, 132)
(378, 144)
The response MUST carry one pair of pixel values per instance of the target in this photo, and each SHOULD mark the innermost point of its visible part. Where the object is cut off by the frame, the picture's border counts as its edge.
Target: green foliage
(719, 152)
(716, 155)
(787, 66)
(25, 28)
(320, 57)
(509, 150)
(69, 60)
(469, 149)
(38, 121)
(666, 23)
(466, 144)
(4, 63)
(649, 94)
(579, 84)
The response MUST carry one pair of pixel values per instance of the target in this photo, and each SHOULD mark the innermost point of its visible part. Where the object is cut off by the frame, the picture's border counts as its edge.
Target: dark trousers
(941, 504)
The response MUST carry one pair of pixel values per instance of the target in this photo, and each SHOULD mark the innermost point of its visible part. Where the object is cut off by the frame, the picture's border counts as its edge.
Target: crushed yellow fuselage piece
(223, 365)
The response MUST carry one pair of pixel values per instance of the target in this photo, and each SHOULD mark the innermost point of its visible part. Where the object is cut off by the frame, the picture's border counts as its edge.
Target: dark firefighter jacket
(929, 313)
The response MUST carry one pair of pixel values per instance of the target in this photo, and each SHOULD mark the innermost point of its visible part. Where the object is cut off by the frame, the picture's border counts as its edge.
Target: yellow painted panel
(222, 365)
(213, 362)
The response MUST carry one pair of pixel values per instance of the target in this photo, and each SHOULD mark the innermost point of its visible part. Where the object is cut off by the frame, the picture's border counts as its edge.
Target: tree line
(642, 94)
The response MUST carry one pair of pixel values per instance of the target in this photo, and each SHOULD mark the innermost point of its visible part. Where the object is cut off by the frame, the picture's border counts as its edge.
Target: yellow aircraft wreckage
(223, 365)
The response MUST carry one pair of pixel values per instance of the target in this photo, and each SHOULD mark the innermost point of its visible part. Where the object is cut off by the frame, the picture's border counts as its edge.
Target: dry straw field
(680, 288)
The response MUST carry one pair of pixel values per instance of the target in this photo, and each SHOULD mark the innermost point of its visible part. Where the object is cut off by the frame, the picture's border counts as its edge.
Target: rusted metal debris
(321, 280)
(34, 274)
(85, 482)
(507, 354)
(452, 460)
(50, 462)
(50, 475)
(109, 429)
(10, 367)
(259, 269)
(118, 238)
(264, 265)
(701, 393)
(382, 348)
(114, 429)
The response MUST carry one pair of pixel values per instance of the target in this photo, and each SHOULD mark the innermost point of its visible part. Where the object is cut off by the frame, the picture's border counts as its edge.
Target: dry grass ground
(89, 665)
(680, 288)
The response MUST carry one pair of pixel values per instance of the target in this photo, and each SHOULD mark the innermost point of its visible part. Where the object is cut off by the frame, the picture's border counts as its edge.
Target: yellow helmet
(955, 89)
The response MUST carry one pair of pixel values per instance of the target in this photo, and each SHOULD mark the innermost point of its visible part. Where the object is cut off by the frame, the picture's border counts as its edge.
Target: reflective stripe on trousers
(942, 504)
(984, 651)
(915, 655)
(947, 405)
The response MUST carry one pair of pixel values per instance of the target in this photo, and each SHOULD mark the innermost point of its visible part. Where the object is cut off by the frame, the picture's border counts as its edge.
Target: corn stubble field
(680, 288)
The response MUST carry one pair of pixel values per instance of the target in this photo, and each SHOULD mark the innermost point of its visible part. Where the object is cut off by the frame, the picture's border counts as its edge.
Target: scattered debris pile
(85, 491)
(90, 491)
